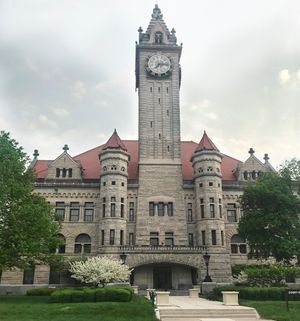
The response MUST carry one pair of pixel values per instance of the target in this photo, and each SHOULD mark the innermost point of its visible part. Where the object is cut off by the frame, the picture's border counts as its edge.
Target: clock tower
(158, 83)
(161, 209)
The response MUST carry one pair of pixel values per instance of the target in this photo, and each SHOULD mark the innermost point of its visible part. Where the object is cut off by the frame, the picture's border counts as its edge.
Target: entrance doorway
(162, 278)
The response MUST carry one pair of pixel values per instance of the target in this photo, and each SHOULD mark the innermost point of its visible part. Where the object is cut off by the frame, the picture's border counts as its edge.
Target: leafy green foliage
(27, 228)
(271, 218)
(40, 291)
(108, 294)
(255, 293)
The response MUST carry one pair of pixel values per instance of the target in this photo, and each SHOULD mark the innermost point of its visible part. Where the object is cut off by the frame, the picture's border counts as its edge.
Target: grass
(25, 308)
(275, 310)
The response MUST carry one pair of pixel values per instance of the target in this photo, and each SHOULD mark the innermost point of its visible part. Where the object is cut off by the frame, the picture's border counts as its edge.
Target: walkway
(184, 308)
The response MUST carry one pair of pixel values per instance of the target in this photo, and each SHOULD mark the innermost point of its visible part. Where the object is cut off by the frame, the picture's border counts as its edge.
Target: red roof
(91, 165)
(206, 144)
(114, 142)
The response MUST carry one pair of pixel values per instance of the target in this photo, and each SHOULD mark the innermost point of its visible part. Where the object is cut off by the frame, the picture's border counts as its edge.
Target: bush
(40, 291)
(62, 296)
(111, 294)
(255, 293)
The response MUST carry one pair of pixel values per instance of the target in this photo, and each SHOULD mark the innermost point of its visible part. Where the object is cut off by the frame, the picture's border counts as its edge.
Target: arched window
(238, 245)
(245, 175)
(209, 169)
(158, 37)
(254, 174)
(200, 170)
(113, 167)
(123, 169)
(104, 168)
(62, 246)
(82, 244)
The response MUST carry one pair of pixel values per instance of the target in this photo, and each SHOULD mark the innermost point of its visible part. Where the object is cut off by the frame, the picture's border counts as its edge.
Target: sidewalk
(184, 308)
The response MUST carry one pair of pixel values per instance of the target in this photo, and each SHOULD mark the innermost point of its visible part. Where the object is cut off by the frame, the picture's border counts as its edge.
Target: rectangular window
(122, 210)
(77, 248)
(103, 209)
(191, 239)
(203, 237)
(222, 238)
(154, 240)
(102, 237)
(28, 276)
(161, 209)
(212, 207)
(74, 212)
(121, 237)
(151, 209)
(131, 239)
(112, 209)
(202, 207)
(169, 239)
(231, 213)
(170, 209)
(190, 212)
(60, 210)
(131, 212)
(112, 237)
(87, 248)
(234, 248)
(213, 237)
(220, 208)
(88, 211)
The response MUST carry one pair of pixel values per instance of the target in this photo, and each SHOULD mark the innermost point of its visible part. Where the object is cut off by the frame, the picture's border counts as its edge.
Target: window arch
(82, 244)
(238, 245)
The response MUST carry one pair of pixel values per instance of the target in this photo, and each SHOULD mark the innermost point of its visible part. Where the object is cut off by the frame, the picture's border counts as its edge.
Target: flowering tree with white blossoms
(100, 270)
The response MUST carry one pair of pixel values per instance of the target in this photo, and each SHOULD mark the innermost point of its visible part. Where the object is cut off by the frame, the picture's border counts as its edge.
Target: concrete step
(191, 314)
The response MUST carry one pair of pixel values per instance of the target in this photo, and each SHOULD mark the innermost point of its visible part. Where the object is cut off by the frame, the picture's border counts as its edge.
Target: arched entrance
(165, 276)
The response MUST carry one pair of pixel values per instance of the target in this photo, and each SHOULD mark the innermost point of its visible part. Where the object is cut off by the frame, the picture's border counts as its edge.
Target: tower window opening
(159, 136)
(167, 112)
(158, 38)
(151, 89)
(168, 148)
(158, 89)
(159, 101)
(167, 90)
(151, 123)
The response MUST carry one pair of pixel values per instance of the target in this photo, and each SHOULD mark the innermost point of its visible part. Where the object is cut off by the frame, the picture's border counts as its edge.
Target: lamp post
(123, 257)
(206, 258)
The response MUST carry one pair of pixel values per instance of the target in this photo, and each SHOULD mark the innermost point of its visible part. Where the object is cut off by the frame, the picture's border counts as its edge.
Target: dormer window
(57, 172)
(245, 175)
(64, 172)
(158, 38)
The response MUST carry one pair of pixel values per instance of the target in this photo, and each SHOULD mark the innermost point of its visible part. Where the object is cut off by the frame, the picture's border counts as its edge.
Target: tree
(270, 222)
(28, 231)
(100, 270)
(290, 171)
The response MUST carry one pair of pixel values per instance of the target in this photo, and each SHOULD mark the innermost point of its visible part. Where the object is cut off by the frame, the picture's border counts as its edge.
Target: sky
(67, 73)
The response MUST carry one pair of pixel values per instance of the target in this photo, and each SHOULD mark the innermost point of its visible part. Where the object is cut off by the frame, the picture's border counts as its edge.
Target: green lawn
(24, 308)
(275, 310)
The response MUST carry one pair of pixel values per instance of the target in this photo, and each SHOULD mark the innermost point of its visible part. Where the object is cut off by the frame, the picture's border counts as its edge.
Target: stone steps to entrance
(197, 309)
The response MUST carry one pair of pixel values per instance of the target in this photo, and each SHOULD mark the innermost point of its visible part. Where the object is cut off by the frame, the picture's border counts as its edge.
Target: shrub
(62, 296)
(117, 295)
(89, 294)
(255, 293)
(40, 291)
(100, 295)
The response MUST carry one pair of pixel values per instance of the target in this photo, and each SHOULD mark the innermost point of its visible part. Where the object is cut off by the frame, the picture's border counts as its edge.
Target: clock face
(159, 65)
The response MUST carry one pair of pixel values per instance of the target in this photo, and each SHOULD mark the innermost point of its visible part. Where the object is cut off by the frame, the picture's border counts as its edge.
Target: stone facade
(161, 201)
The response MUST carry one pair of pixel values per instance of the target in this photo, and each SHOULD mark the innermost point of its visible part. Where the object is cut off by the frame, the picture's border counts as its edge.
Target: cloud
(79, 90)
(284, 76)
(43, 119)
(60, 112)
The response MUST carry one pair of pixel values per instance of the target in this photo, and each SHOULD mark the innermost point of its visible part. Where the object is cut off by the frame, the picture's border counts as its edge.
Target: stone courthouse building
(160, 201)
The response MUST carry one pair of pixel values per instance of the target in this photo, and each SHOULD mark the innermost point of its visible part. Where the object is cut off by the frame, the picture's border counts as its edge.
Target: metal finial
(266, 158)
(36, 153)
(66, 148)
(251, 151)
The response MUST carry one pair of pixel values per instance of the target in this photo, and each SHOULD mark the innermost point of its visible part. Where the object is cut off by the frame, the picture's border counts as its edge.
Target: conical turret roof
(206, 144)
(114, 142)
